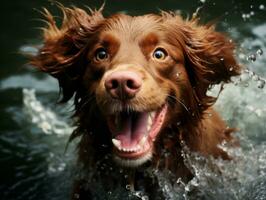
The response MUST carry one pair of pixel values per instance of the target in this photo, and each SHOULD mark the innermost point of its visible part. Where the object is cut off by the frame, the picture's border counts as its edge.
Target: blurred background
(34, 129)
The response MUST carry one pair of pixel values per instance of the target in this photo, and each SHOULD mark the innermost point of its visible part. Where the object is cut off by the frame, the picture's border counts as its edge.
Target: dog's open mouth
(133, 133)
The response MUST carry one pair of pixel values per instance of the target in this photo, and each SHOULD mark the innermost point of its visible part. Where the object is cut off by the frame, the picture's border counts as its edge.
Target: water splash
(140, 195)
(252, 57)
(217, 178)
(261, 7)
(43, 117)
(248, 77)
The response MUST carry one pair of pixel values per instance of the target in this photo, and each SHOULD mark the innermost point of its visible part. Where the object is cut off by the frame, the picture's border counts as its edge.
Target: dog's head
(141, 74)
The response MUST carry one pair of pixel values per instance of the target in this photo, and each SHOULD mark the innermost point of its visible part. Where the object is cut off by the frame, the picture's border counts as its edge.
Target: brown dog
(139, 85)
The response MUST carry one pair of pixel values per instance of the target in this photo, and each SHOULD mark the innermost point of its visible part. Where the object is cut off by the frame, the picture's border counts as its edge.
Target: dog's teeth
(132, 150)
(149, 123)
(117, 143)
(153, 114)
(126, 150)
(148, 127)
(143, 141)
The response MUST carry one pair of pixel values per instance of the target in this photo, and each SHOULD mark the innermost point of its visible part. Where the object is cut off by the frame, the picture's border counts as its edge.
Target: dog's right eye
(159, 54)
(101, 54)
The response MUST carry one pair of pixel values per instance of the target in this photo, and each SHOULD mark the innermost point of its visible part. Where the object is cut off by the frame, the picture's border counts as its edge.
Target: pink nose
(123, 84)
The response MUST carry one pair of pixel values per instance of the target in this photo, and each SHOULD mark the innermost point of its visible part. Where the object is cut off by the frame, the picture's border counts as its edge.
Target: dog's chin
(133, 134)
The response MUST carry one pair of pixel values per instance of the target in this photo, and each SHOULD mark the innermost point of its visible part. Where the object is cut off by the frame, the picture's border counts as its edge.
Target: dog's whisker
(179, 101)
(85, 101)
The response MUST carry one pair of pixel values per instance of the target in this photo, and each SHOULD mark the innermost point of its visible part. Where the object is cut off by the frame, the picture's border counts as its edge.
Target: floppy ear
(62, 52)
(209, 56)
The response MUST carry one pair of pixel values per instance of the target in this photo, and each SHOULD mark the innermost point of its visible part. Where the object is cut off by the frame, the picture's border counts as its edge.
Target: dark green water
(34, 129)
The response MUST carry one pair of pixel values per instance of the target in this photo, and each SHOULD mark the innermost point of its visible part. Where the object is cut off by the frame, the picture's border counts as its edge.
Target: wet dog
(140, 89)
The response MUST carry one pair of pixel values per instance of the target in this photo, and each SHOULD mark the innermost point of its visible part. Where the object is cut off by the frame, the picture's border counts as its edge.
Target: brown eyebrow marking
(149, 40)
(110, 42)
(148, 43)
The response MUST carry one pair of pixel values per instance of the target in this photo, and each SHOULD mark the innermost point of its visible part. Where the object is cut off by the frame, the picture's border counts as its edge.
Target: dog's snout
(123, 84)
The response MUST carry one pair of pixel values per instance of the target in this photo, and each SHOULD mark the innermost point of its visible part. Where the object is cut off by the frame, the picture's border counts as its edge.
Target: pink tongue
(132, 129)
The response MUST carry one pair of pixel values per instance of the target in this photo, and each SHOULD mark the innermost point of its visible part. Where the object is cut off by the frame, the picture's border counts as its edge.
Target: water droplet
(145, 198)
(252, 13)
(182, 142)
(251, 57)
(242, 56)
(245, 16)
(235, 80)
(259, 52)
(202, 1)
(261, 83)
(255, 77)
(178, 123)
(251, 6)
(187, 189)
(251, 74)
(76, 196)
(179, 180)
(231, 69)
(194, 182)
(128, 187)
(244, 79)
(177, 74)
(261, 7)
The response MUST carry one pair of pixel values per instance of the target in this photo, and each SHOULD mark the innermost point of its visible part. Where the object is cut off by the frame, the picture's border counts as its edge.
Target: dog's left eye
(159, 54)
(101, 54)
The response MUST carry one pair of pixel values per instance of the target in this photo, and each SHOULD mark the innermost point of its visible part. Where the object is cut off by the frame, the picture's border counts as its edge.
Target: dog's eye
(159, 54)
(101, 54)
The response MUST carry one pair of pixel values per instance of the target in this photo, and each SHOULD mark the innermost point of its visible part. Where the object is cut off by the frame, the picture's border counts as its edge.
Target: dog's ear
(209, 55)
(62, 52)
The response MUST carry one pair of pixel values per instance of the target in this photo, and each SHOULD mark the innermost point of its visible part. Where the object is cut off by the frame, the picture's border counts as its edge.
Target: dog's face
(145, 72)
(137, 67)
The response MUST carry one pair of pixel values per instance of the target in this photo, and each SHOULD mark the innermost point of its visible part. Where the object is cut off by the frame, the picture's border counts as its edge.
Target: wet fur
(201, 57)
